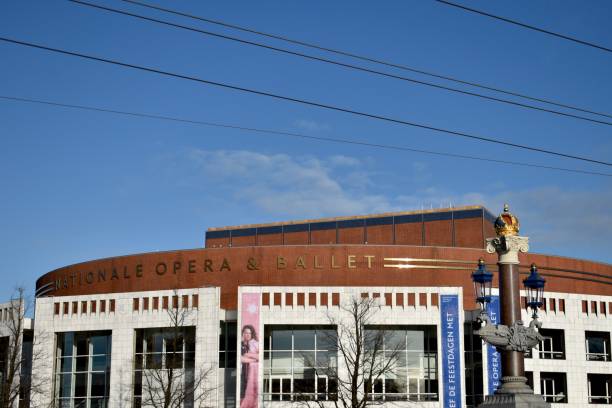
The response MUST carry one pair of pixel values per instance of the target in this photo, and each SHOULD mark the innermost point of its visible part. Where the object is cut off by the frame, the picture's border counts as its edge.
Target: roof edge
(355, 217)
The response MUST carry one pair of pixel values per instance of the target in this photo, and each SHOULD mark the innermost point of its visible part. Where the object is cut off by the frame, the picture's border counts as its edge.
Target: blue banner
(493, 357)
(451, 352)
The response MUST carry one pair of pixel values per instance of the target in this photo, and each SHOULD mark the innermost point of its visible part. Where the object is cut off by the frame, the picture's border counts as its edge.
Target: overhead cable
(365, 58)
(303, 101)
(338, 63)
(530, 27)
(295, 135)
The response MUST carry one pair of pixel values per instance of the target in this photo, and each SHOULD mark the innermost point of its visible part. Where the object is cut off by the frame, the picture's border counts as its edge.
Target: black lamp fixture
(482, 279)
(534, 286)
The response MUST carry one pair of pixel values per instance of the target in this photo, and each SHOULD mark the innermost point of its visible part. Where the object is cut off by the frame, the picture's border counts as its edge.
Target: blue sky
(80, 185)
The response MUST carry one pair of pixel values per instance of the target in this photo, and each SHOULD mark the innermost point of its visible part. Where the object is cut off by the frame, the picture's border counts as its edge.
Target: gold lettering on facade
(161, 268)
(350, 260)
(252, 264)
(303, 262)
(300, 263)
(333, 263)
(225, 265)
(369, 258)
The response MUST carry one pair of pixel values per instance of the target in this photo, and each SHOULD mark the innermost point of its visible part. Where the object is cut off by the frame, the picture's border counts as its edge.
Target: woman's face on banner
(246, 335)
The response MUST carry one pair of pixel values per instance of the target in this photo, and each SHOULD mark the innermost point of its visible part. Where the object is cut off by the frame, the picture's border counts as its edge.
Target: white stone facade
(574, 323)
(123, 322)
(398, 306)
(423, 312)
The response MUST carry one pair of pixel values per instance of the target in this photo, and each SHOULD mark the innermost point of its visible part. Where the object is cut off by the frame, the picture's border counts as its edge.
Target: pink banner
(249, 350)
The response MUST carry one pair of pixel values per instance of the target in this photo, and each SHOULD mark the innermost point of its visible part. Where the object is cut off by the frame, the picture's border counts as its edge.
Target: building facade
(256, 319)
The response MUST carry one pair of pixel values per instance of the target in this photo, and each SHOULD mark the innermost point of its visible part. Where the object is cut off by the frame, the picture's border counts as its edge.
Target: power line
(302, 101)
(541, 30)
(338, 63)
(366, 58)
(296, 135)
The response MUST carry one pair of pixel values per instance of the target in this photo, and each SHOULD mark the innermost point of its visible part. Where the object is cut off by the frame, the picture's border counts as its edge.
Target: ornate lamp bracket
(514, 338)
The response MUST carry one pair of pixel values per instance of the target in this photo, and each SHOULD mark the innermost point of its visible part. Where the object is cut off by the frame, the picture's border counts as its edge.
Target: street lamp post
(511, 338)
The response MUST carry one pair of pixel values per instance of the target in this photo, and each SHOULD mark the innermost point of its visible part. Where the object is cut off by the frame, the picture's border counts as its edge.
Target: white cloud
(291, 186)
(312, 125)
(558, 217)
(559, 221)
(344, 161)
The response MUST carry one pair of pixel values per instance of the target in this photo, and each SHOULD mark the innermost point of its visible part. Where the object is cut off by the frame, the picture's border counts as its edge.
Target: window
(163, 351)
(227, 360)
(600, 388)
(529, 375)
(4, 346)
(300, 363)
(474, 393)
(82, 373)
(414, 374)
(227, 345)
(553, 345)
(597, 346)
(553, 387)
(26, 368)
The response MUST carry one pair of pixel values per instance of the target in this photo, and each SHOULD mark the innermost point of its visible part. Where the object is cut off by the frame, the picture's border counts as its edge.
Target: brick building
(258, 298)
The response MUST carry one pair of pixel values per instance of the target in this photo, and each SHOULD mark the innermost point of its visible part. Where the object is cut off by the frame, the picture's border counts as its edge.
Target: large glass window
(553, 345)
(553, 387)
(300, 363)
(26, 368)
(164, 363)
(597, 345)
(413, 373)
(227, 361)
(227, 345)
(474, 393)
(600, 388)
(82, 369)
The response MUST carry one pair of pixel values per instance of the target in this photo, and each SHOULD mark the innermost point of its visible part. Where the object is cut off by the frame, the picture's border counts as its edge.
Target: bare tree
(17, 346)
(12, 345)
(365, 356)
(170, 379)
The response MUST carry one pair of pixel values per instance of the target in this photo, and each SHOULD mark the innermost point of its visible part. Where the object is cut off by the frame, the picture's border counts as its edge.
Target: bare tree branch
(174, 381)
(20, 352)
(361, 352)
